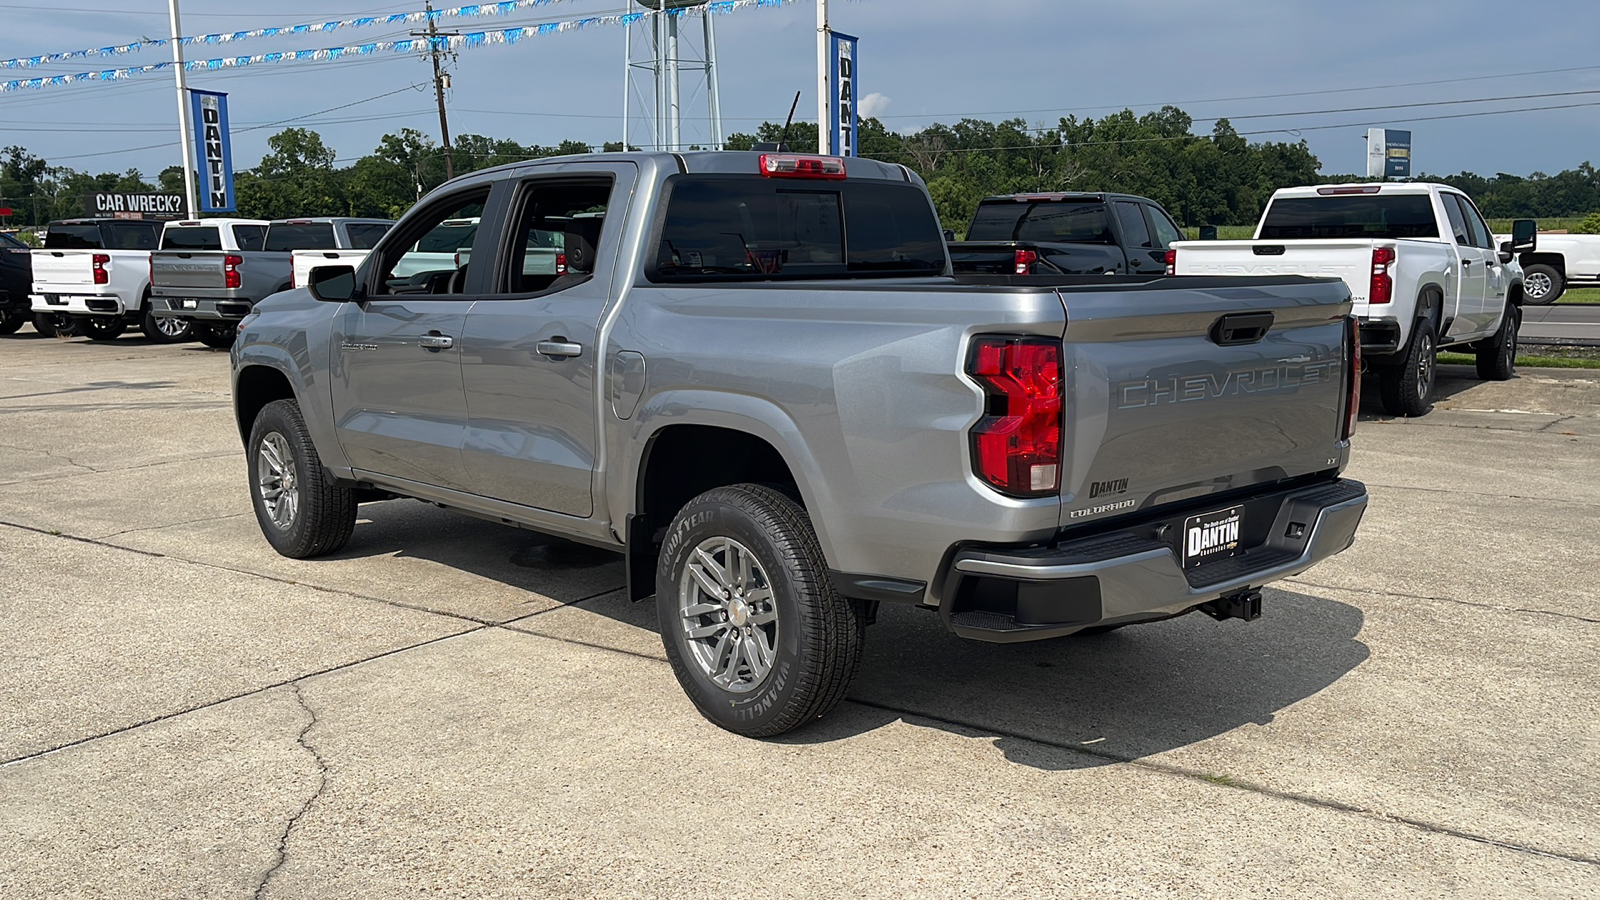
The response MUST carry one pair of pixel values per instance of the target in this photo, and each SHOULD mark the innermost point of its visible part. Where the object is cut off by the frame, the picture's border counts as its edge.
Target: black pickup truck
(16, 280)
(1066, 234)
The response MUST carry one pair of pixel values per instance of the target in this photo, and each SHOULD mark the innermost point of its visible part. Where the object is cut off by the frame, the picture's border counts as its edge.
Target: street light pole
(185, 130)
(824, 82)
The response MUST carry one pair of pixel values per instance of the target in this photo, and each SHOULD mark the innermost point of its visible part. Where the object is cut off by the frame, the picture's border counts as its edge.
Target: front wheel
(1407, 388)
(1497, 357)
(216, 337)
(302, 510)
(165, 329)
(756, 634)
(1542, 284)
(12, 321)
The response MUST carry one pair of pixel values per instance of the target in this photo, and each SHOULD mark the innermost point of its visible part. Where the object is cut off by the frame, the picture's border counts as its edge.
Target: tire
(12, 321)
(104, 328)
(1542, 285)
(801, 642)
(1407, 388)
(56, 325)
(216, 338)
(164, 330)
(302, 510)
(1497, 357)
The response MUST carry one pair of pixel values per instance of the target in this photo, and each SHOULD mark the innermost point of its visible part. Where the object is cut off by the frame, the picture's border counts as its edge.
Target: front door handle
(436, 341)
(560, 348)
(1466, 262)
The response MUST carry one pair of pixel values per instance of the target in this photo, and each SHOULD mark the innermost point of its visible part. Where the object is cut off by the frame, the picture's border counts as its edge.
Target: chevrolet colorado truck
(1066, 234)
(753, 375)
(212, 289)
(1420, 262)
(93, 277)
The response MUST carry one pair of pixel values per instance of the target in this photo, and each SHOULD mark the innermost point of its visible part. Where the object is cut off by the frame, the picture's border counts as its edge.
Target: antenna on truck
(783, 142)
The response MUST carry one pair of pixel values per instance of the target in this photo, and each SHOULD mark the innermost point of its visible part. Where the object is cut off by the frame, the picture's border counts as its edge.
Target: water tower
(670, 62)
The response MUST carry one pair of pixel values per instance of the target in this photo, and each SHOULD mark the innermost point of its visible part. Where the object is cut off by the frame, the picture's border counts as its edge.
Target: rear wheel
(1497, 356)
(104, 328)
(56, 325)
(1542, 284)
(215, 336)
(164, 329)
(1407, 388)
(302, 510)
(11, 321)
(756, 634)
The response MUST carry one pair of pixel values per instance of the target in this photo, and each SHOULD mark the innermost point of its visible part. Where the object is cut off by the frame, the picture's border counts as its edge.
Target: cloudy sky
(1283, 69)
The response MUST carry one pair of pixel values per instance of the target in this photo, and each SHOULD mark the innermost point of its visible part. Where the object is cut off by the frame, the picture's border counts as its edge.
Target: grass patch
(1588, 296)
(1531, 362)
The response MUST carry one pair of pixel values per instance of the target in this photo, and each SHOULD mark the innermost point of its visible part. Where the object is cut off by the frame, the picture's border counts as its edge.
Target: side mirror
(1506, 253)
(1208, 232)
(949, 235)
(334, 284)
(1524, 236)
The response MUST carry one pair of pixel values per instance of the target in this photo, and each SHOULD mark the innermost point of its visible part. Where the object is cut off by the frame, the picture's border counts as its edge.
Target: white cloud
(874, 105)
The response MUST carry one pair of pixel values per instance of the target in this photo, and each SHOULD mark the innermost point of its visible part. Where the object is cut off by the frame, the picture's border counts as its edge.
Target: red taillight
(1382, 289)
(1024, 261)
(1172, 262)
(792, 166)
(152, 268)
(561, 264)
(1016, 447)
(230, 271)
(101, 276)
(1353, 401)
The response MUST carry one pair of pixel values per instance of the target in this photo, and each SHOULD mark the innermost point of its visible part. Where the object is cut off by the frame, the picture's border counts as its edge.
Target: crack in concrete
(281, 854)
(107, 537)
(1473, 603)
(1560, 421)
(94, 471)
(48, 454)
(1454, 492)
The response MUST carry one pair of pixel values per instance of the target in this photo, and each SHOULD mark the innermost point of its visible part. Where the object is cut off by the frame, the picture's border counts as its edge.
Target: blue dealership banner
(842, 115)
(213, 149)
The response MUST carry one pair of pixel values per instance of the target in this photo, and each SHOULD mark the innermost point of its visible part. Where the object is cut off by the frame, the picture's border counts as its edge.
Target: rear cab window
(737, 227)
(127, 235)
(285, 236)
(190, 237)
(1044, 221)
(1363, 216)
(249, 237)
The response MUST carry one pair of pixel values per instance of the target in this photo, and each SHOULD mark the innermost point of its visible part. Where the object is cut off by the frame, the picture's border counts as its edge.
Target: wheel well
(1514, 294)
(680, 463)
(1553, 260)
(1430, 305)
(256, 387)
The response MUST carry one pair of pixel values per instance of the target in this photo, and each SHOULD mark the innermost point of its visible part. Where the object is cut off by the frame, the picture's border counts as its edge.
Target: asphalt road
(451, 707)
(1575, 323)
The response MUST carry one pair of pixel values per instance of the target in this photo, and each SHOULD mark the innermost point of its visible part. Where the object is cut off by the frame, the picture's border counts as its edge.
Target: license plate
(188, 304)
(1212, 536)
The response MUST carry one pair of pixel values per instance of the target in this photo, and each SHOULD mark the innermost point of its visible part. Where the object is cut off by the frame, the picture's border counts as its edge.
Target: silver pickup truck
(754, 376)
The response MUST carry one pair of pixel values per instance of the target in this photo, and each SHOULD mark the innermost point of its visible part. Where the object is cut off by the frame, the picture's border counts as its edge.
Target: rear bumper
(78, 304)
(200, 309)
(1380, 337)
(1135, 574)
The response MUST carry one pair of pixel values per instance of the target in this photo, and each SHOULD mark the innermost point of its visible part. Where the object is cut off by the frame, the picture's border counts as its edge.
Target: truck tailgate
(1175, 395)
(186, 269)
(62, 269)
(1348, 260)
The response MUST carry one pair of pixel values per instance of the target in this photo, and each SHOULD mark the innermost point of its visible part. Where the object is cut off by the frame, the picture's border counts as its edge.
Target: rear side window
(364, 235)
(73, 237)
(1364, 216)
(300, 236)
(249, 237)
(203, 238)
(730, 227)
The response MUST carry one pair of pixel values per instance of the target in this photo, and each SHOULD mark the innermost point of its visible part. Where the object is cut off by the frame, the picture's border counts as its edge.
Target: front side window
(732, 227)
(1458, 222)
(1167, 232)
(1134, 232)
(1481, 236)
(434, 249)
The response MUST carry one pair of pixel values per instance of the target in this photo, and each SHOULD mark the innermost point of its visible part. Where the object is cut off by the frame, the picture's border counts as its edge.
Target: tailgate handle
(1268, 249)
(1241, 328)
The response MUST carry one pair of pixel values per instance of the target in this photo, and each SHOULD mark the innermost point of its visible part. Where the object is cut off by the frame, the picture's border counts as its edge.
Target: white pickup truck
(1419, 260)
(1561, 261)
(93, 277)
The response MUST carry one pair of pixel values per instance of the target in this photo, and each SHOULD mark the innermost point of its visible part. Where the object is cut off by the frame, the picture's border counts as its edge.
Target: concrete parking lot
(451, 707)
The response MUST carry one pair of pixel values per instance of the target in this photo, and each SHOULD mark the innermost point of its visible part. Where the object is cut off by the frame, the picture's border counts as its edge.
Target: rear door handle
(560, 348)
(436, 341)
(1466, 262)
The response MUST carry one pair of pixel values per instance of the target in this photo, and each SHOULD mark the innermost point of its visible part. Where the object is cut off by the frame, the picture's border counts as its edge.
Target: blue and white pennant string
(409, 45)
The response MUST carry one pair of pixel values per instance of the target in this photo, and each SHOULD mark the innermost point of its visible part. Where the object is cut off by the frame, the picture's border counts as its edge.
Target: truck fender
(754, 416)
(253, 389)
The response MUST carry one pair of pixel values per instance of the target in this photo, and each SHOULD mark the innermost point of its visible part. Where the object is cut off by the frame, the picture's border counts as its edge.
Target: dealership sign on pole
(213, 149)
(842, 118)
(1388, 153)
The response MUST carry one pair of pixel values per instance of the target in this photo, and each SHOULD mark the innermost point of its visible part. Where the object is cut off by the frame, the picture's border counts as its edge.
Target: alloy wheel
(727, 613)
(277, 480)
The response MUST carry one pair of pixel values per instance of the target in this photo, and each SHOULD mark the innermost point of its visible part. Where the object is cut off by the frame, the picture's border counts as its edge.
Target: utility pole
(185, 132)
(433, 34)
(824, 81)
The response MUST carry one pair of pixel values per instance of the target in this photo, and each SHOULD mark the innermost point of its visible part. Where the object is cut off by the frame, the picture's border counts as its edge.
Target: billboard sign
(213, 149)
(1388, 153)
(842, 117)
(124, 205)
